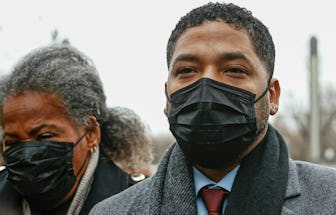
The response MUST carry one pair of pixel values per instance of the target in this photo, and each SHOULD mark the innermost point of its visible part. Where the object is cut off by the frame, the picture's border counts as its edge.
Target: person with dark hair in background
(54, 121)
(130, 145)
(228, 159)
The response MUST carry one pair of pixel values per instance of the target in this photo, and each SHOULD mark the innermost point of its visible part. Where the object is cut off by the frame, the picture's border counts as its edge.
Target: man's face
(219, 51)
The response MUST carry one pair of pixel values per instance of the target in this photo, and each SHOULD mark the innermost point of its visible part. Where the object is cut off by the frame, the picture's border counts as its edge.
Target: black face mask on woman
(213, 123)
(42, 171)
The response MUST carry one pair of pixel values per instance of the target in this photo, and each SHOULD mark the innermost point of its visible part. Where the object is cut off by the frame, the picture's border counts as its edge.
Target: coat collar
(174, 185)
(293, 187)
(293, 184)
(178, 184)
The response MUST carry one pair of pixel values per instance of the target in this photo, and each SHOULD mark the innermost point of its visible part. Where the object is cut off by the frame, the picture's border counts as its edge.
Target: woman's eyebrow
(37, 129)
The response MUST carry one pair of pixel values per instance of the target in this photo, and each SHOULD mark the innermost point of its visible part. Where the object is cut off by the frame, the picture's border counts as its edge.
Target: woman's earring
(93, 149)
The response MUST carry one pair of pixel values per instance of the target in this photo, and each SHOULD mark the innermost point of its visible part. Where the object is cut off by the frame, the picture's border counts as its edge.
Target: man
(228, 159)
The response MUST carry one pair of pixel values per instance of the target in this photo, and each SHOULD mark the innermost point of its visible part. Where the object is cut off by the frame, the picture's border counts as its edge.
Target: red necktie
(213, 199)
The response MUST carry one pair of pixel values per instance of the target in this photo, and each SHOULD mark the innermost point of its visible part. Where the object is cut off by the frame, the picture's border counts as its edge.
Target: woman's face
(33, 115)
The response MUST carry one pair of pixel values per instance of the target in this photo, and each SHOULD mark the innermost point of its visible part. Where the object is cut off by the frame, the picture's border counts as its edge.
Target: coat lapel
(293, 188)
(179, 196)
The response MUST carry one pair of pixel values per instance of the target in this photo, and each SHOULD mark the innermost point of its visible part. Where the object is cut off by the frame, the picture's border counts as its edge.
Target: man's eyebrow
(236, 56)
(225, 56)
(185, 57)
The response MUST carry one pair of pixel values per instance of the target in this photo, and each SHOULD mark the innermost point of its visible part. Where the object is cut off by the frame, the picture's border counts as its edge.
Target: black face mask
(42, 171)
(213, 123)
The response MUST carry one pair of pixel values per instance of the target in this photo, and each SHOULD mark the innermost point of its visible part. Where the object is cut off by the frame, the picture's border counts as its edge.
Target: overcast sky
(127, 40)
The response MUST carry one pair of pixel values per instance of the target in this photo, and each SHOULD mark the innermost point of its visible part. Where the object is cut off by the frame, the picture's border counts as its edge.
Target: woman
(53, 117)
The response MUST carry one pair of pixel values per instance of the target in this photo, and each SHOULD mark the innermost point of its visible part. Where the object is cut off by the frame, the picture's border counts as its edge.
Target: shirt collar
(226, 182)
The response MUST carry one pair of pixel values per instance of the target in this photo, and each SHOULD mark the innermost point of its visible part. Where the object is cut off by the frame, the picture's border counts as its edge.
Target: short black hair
(241, 18)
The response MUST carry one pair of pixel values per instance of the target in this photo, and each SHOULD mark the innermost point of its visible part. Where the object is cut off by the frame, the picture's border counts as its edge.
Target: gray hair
(130, 143)
(64, 71)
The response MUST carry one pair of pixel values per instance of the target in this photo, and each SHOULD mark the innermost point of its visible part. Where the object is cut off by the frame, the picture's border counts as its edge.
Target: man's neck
(215, 174)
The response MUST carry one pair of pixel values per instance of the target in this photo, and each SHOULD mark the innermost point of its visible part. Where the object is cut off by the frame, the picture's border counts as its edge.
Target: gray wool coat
(311, 189)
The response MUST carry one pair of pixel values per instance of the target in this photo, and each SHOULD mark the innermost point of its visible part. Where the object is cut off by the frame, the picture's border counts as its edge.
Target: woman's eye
(45, 136)
(10, 143)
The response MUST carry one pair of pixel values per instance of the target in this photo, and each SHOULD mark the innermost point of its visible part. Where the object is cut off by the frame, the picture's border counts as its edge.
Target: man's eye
(185, 71)
(236, 70)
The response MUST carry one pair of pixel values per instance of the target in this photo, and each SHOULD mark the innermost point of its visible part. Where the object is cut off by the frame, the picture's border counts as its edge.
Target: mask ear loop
(85, 133)
(78, 141)
(263, 94)
(167, 97)
(255, 101)
(82, 167)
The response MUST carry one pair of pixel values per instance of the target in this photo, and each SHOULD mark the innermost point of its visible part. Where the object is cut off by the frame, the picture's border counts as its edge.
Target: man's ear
(93, 136)
(274, 96)
(165, 110)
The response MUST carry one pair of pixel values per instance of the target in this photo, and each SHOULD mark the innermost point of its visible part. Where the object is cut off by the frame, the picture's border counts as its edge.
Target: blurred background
(127, 40)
